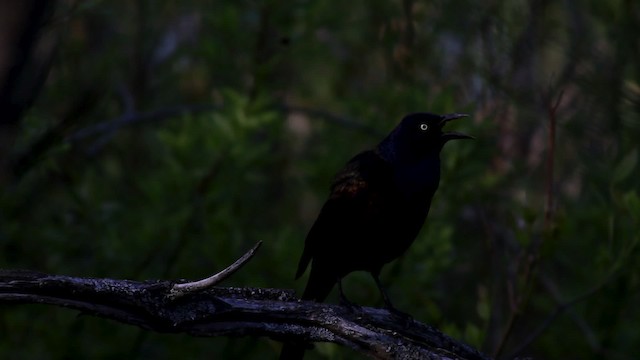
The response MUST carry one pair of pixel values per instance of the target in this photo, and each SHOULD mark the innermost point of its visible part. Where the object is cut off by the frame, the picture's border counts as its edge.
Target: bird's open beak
(449, 117)
(453, 135)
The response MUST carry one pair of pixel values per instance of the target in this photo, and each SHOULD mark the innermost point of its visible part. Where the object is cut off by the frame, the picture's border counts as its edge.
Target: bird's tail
(318, 288)
(319, 285)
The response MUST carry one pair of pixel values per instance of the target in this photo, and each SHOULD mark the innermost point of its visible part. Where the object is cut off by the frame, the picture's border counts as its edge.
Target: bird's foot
(353, 307)
(402, 316)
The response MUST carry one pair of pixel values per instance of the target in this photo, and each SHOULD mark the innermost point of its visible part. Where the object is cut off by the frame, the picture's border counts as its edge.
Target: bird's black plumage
(377, 205)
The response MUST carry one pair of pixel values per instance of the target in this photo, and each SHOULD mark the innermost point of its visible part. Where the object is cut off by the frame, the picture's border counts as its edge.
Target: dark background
(165, 138)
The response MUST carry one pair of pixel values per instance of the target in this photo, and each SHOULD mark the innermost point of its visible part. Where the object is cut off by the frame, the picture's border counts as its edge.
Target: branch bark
(221, 311)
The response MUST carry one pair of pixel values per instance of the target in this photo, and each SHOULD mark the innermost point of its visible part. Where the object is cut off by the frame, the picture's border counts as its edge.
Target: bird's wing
(355, 195)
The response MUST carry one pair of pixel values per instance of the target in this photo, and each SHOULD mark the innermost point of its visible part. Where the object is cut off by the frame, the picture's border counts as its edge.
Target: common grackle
(377, 205)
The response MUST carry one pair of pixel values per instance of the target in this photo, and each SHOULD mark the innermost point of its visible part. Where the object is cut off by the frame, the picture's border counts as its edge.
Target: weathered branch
(198, 308)
(234, 312)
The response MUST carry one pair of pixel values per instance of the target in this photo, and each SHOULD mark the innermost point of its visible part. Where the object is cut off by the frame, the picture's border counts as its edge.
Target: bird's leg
(343, 299)
(387, 300)
(383, 292)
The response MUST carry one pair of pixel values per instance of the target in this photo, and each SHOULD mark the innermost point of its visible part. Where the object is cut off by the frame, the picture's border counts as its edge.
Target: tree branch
(234, 312)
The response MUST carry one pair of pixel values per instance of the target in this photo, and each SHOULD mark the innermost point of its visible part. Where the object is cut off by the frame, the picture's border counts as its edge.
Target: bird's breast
(418, 181)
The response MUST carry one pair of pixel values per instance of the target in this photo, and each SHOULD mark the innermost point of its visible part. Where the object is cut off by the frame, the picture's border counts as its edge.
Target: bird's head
(420, 134)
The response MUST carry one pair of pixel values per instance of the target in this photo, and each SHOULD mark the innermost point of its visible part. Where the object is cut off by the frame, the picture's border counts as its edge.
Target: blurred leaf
(473, 335)
(483, 308)
(625, 166)
(632, 201)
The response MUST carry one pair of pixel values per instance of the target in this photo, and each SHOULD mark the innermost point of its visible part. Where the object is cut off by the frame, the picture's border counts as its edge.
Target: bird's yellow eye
(424, 127)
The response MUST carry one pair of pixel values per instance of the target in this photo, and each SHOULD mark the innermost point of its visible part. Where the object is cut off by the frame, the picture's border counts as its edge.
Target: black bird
(378, 203)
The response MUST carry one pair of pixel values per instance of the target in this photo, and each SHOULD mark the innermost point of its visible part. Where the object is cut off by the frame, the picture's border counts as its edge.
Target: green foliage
(273, 99)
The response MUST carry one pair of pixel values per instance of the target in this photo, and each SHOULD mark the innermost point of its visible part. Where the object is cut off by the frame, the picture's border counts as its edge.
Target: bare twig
(107, 128)
(189, 225)
(552, 113)
(559, 310)
(138, 118)
(34, 153)
(179, 290)
(331, 118)
(409, 33)
(517, 301)
(531, 256)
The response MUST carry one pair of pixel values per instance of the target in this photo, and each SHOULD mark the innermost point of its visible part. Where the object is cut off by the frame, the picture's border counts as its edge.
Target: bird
(377, 205)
